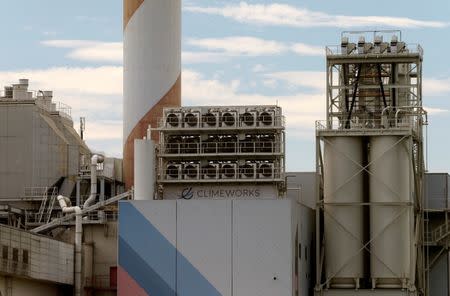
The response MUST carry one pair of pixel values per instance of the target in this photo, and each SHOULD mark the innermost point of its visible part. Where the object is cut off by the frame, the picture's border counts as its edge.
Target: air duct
(94, 161)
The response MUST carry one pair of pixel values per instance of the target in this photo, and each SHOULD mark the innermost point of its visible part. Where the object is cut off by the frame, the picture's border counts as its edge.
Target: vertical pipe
(144, 170)
(78, 239)
(78, 198)
(317, 212)
(94, 161)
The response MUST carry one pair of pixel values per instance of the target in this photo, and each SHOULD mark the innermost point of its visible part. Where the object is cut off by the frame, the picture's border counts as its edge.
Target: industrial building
(202, 203)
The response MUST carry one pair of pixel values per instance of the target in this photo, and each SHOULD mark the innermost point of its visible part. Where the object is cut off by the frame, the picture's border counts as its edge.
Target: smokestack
(152, 69)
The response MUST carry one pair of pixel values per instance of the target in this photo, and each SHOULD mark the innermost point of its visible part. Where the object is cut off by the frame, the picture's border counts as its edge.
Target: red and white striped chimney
(152, 69)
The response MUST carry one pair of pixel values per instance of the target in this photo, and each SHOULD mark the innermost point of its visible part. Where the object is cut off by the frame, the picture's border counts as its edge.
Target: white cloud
(259, 68)
(202, 57)
(277, 14)
(270, 83)
(218, 50)
(88, 50)
(309, 79)
(436, 87)
(240, 45)
(252, 46)
(301, 109)
(105, 80)
(308, 50)
(435, 111)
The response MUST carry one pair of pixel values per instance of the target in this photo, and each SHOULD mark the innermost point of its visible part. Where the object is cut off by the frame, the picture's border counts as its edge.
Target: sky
(233, 53)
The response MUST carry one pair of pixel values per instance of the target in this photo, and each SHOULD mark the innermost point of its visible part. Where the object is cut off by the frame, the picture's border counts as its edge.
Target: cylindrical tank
(152, 69)
(144, 170)
(390, 182)
(343, 183)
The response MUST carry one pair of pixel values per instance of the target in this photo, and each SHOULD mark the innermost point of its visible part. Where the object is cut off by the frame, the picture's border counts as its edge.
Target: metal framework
(221, 145)
(374, 89)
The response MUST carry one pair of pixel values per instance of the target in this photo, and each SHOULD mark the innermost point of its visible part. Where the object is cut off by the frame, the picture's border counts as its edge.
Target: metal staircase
(437, 235)
(46, 208)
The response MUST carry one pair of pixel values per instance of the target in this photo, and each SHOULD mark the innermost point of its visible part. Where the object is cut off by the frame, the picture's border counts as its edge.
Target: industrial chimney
(152, 69)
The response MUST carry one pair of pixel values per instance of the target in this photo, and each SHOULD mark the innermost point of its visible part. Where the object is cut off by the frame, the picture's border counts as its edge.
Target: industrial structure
(152, 69)
(204, 201)
(211, 214)
(219, 146)
(43, 157)
(369, 220)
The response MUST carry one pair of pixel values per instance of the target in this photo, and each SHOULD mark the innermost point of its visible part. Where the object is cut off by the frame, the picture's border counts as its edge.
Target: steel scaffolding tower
(369, 217)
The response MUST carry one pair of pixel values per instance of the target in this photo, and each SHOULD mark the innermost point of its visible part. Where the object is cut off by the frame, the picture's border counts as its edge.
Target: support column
(78, 198)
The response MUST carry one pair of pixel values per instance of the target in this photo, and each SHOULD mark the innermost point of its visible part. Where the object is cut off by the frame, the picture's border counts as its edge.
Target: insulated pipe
(63, 201)
(94, 161)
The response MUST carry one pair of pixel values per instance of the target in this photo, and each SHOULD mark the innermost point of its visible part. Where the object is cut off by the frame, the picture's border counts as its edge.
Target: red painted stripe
(171, 99)
(127, 286)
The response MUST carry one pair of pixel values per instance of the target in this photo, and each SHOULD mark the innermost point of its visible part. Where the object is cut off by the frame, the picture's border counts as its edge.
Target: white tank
(144, 169)
(390, 182)
(343, 183)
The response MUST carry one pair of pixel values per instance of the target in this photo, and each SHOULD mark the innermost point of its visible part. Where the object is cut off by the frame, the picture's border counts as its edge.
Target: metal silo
(343, 186)
(152, 69)
(370, 167)
(390, 218)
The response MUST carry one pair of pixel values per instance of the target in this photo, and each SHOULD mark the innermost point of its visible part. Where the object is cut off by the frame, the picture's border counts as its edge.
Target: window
(15, 255)
(25, 256)
(5, 252)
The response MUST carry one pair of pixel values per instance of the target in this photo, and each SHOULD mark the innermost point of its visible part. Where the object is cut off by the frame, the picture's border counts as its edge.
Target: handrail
(99, 205)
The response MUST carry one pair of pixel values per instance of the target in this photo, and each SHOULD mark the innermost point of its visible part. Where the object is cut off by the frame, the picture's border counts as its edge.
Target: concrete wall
(35, 256)
(99, 256)
(104, 241)
(213, 247)
(13, 286)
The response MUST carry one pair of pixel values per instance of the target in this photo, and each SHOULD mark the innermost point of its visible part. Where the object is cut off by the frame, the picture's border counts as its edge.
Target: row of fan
(216, 119)
(222, 147)
(194, 171)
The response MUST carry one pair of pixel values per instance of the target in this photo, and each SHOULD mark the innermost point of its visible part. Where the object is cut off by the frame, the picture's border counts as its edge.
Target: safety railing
(398, 122)
(438, 234)
(63, 109)
(36, 192)
(100, 282)
(410, 48)
(222, 147)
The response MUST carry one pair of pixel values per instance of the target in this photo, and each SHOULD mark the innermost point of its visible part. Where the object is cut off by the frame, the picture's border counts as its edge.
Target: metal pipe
(63, 203)
(94, 161)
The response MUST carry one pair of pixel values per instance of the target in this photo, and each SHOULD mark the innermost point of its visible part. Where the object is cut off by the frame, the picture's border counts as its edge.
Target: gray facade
(437, 194)
(37, 149)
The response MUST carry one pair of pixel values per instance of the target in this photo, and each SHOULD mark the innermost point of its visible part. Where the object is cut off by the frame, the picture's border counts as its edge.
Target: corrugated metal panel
(436, 191)
(439, 277)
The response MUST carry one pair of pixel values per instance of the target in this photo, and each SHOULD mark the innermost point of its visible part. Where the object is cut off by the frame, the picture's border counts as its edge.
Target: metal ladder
(47, 204)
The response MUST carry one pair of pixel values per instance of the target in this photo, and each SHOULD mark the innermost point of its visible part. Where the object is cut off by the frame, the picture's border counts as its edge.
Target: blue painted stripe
(143, 274)
(138, 235)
